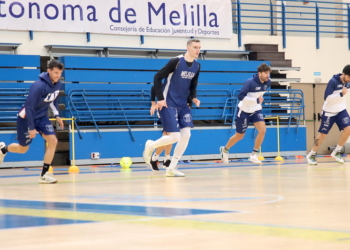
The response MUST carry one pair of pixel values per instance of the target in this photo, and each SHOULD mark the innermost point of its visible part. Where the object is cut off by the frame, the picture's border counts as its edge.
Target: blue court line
(55, 169)
(109, 209)
(18, 221)
(188, 168)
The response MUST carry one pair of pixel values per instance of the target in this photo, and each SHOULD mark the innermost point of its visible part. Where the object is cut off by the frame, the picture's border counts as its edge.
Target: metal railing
(288, 17)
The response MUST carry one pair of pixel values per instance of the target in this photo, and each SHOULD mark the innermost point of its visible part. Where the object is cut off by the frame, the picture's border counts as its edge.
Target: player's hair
(264, 68)
(192, 41)
(346, 70)
(55, 64)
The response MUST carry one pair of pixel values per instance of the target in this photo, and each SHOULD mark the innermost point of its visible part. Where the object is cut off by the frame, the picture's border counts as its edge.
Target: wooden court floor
(235, 206)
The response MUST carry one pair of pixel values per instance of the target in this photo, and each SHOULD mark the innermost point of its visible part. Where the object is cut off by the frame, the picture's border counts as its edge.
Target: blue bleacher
(16, 74)
(15, 68)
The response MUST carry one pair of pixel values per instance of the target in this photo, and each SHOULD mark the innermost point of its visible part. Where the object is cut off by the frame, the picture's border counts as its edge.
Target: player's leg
(259, 123)
(22, 137)
(325, 126)
(167, 159)
(155, 156)
(185, 123)
(170, 124)
(44, 126)
(242, 122)
(343, 122)
(261, 128)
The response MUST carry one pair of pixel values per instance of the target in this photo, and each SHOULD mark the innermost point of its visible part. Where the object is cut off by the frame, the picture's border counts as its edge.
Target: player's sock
(338, 148)
(180, 147)
(255, 151)
(167, 157)
(155, 157)
(45, 169)
(312, 152)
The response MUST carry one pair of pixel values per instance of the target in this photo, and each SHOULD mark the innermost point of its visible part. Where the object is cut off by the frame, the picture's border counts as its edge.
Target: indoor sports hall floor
(236, 206)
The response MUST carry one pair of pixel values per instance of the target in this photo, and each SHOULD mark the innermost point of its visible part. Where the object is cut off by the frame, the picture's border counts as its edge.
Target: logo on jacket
(52, 96)
(257, 88)
(187, 75)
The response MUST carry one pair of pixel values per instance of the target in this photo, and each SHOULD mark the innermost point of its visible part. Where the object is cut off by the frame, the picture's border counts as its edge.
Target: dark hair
(264, 67)
(55, 64)
(346, 70)
(192, 41)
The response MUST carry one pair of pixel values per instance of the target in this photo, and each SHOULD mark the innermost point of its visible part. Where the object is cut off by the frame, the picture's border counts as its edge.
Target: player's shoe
(223, 155)
(337, 156)
(311, 159)
(174, 173)
(47, 179)
(166, 163)
(254, 158)
(148, 151)
(154, 165)
(2, 155)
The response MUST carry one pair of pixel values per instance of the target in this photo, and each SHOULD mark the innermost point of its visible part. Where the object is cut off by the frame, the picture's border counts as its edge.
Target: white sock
(166, 140)
(180, 147)
(167, 157)
(312, 152)
(338, 148)
(155, 157)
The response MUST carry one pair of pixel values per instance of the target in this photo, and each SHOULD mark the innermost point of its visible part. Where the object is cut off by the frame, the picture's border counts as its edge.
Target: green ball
(125, 162)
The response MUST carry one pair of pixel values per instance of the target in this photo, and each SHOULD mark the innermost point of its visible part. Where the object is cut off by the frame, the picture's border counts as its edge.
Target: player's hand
(60, 122)
(161, 104)
(261, 100)
(196, 102)
(32, 133)
(153, 109)
(344, 90)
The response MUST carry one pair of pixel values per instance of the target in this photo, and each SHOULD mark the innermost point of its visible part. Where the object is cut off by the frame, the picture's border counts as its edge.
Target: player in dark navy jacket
(334, 111)
(249, 111)
(181, 74)
(32, 118)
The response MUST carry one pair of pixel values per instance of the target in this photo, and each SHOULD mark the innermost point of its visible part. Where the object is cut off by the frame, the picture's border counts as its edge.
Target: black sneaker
(154, 165)
(166, 163)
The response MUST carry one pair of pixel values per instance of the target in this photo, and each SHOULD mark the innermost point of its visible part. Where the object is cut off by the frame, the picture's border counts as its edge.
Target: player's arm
(29, 106)
(193, 87)
(153, 102)
(54, 108)
(244, 92)
(164, 73)
(329, 95)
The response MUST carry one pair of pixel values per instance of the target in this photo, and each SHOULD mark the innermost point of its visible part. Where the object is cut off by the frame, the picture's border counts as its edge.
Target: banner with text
(197, 18)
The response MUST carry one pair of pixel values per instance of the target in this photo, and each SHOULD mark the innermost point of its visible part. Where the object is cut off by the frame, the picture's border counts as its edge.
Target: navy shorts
(243, 119)
(174, 119)
(42, 125)
(342, 119)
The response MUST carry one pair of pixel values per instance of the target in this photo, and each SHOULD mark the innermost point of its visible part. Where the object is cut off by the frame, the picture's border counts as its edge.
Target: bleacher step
(261, 47)
(266, 56)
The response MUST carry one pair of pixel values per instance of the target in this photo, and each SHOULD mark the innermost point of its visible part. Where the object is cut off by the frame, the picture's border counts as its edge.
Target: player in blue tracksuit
(181, 74)
(32, 118)
(334, 111)
(249, 111)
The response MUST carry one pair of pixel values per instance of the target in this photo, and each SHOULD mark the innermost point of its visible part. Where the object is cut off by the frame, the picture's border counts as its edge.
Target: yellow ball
(125, 162)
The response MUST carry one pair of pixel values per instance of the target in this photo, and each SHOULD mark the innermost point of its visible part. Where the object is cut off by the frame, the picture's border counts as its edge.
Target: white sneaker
(47, 179)
(174, 173)
(311, 159)
(2, 155)
(147, 153)
(337, 156)
(224, 155)
(254, 158)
